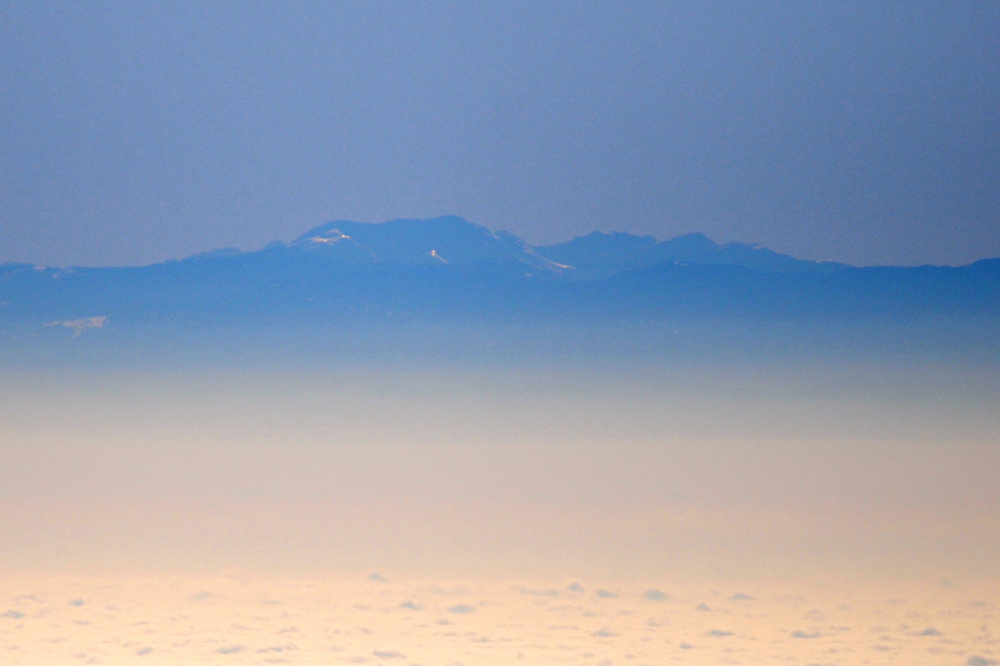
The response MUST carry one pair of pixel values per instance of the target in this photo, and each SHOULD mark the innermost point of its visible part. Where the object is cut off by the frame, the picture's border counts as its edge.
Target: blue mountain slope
(448, 269)
(602, 255)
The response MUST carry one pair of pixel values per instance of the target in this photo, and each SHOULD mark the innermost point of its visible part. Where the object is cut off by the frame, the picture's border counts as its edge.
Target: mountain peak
(405, 226)
(693, 243)
(442, 240)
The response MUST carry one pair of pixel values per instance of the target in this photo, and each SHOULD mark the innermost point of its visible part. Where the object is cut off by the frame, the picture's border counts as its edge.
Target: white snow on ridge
(329, 238)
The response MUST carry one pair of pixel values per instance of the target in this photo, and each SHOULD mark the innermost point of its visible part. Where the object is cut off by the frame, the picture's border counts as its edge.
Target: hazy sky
(865, 132)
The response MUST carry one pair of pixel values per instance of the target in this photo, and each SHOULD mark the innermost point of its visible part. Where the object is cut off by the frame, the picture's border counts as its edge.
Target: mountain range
(451, 269)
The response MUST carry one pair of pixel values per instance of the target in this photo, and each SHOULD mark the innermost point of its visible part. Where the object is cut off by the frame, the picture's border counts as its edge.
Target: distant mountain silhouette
(450, 269)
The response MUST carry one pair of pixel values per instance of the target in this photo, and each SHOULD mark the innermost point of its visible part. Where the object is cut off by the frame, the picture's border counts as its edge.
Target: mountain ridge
(451, 269)
(617, 250)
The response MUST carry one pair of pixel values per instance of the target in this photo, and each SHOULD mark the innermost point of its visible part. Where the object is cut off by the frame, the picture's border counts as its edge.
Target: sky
(720, 513)
(864, 132)
(738, 471)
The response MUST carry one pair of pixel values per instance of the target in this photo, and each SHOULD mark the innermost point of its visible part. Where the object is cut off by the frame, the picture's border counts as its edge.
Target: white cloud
(461, 609)
(388, 654)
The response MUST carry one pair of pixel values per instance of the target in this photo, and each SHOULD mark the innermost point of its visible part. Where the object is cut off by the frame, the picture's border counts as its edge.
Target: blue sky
(865, 132)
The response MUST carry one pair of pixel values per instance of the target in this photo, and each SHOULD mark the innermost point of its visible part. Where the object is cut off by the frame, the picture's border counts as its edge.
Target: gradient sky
(865, 132)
